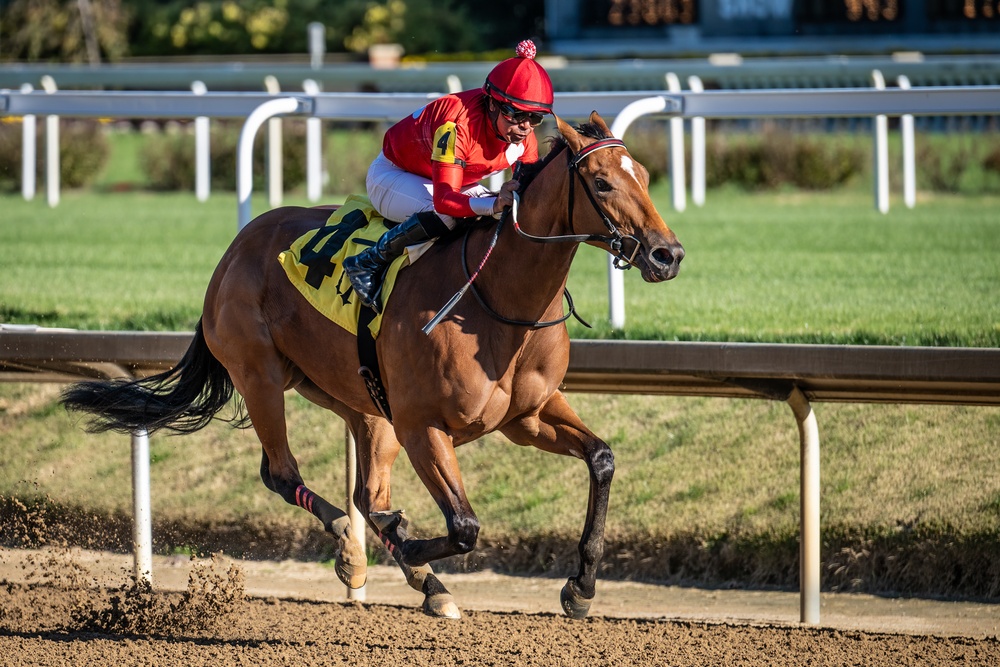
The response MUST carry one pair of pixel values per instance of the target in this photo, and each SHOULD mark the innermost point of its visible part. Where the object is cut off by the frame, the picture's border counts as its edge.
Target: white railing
(623, 107)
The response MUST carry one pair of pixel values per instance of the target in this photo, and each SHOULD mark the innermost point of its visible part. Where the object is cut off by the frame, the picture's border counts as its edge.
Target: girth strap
(369, 370)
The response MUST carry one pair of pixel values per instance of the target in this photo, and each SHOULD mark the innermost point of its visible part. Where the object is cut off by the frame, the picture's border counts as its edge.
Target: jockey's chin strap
(616, 239)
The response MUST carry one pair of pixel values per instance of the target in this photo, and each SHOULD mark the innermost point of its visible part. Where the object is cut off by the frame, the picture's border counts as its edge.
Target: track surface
(59, 610)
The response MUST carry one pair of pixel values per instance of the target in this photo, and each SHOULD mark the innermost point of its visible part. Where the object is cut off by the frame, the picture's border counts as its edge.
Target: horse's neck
(527, 278)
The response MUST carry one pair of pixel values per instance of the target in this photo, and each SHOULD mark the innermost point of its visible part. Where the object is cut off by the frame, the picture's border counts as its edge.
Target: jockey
(432, 161)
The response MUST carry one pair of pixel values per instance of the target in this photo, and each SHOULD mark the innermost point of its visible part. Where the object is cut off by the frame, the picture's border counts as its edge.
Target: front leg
(432, 455)
(558, 429)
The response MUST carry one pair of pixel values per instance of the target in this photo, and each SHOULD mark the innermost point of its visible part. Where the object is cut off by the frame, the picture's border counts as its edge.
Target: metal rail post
(29, 159)
(881, 152)
(244, 152)
(809, 549)
(353, 513)
(202, 165)
(633, 110)
(314, 148)
(275, 177)
(142, 530)
(909, 153)
(51, 148)
(697, 149)
(677, 178)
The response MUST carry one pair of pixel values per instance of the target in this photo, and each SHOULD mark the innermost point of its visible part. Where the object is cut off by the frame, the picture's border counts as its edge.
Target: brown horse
(489, 365)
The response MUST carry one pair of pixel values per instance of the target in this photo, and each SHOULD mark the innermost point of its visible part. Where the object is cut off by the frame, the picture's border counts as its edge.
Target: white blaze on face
(627, 166)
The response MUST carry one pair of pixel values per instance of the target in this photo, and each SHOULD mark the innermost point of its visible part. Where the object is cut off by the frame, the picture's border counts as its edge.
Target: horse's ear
(595, 119)
(573, 138)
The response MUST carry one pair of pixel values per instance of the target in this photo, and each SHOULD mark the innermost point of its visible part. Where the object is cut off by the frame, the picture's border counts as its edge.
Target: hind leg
(377, 450)
(261, 378)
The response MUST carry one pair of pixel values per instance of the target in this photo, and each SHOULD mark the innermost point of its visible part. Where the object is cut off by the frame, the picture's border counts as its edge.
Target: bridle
(616, 239)
(614, 242)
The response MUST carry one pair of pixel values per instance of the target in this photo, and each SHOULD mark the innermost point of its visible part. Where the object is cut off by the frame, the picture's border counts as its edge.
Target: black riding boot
(367, 269)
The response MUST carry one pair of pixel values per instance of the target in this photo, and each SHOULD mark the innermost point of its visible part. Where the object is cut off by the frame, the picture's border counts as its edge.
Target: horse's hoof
(573, 603)
(351, 565)
(352, 576)
(441, 605)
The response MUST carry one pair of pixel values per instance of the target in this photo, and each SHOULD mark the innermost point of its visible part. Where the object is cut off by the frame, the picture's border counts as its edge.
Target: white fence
(623, 107)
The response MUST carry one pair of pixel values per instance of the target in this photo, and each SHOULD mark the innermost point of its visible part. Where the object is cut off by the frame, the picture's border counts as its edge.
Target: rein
(497, 316)
(614, 242)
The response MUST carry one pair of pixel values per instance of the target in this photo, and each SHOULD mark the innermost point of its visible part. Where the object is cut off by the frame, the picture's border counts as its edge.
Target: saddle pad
(314, 262)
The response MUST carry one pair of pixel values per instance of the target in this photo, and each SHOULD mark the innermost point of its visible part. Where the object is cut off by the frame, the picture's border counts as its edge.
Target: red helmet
(521, 82)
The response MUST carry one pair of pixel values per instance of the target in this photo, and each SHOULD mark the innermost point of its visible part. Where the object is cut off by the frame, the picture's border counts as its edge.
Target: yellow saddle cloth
(314, 262)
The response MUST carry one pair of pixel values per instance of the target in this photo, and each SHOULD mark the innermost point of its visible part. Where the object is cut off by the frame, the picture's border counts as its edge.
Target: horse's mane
(529, 171)
(556, 146)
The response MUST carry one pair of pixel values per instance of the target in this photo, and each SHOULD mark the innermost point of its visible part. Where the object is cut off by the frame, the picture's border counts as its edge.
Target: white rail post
(697, 149)
(202, 164)
(881, 152)
(29, 157)
(677, 178)
(314, 148)
(244, 151)
(51, 148)
(142, 530)
(809, 549)
(909, 151)
(275, 182)
(353, 513)
(616, 281)
(453, 84)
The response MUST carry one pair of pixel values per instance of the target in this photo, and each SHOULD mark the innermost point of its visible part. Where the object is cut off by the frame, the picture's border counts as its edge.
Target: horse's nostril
(663, 256)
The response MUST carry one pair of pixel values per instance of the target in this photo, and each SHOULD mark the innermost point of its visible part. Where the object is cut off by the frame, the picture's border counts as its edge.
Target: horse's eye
(602, 185)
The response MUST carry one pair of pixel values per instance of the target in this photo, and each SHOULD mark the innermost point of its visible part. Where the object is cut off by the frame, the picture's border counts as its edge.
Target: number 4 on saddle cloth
(314, 262)
(315, 265)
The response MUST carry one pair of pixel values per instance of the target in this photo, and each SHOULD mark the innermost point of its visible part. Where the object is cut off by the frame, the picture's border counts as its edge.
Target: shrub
(942, 171)
(168, 160)
(83, 153)
(774, 158)
(819, 164)
(992, 160)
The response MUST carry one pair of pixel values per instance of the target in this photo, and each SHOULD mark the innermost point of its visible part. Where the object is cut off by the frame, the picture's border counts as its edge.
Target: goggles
(516, 116)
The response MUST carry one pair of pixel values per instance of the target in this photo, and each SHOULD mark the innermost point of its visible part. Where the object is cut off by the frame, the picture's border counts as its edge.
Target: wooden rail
(796, 374)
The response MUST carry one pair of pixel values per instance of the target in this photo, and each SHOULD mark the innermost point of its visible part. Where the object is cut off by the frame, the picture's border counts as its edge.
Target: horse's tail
(184, 399)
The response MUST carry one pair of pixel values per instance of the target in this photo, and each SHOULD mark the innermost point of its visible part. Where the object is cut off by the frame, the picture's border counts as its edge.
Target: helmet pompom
(521, 82)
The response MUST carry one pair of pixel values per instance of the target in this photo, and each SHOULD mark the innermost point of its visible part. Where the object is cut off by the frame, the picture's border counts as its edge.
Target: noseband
(616, 239)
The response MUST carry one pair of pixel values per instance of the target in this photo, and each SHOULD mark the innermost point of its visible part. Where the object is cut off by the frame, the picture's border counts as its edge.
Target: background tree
(57, 30)
(64, 30)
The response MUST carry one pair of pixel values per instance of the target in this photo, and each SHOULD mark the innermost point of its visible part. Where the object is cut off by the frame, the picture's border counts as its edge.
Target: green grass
(700, 481)
(786, 267)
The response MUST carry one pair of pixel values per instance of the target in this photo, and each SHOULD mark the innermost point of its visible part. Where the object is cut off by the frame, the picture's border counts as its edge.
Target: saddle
(314, 265)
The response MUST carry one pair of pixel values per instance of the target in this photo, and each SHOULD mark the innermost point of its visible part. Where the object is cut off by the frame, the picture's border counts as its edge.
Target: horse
(489, 364)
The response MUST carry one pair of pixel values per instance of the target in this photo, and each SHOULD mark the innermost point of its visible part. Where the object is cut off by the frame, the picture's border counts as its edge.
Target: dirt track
(52, 614)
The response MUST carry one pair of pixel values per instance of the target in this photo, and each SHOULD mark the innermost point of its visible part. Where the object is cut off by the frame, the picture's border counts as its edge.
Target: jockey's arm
(449, 198)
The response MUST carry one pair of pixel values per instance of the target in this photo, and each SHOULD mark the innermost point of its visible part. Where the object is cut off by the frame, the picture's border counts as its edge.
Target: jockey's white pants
(397, 194)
